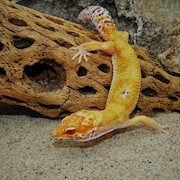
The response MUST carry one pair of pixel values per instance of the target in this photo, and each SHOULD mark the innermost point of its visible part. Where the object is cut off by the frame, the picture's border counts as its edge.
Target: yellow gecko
(123, 95)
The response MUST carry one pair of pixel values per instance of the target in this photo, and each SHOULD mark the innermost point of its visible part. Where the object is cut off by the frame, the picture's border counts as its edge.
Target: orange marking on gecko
(123, 95)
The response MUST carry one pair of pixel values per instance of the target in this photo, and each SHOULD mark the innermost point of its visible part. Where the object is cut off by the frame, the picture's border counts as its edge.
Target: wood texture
(36, 70)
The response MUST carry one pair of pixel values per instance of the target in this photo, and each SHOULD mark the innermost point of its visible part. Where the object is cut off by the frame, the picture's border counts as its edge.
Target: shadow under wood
(7, 109)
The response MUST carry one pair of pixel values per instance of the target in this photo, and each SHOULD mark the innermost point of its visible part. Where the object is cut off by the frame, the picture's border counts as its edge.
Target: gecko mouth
(93, 135)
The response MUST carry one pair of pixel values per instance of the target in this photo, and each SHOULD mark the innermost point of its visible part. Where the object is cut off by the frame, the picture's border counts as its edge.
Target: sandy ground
(27, 152)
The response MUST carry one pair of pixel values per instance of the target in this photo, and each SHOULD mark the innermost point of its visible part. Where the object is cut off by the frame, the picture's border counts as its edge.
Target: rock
(170, 59)
(149, 22)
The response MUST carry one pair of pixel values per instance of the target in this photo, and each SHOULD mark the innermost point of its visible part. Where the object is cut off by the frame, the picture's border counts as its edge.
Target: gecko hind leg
(146, 121)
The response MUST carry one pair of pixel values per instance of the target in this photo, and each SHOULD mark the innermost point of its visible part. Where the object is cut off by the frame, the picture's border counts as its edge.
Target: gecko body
(123, 95)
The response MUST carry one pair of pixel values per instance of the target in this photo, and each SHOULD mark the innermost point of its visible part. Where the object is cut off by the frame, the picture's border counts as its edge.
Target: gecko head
(81, 126)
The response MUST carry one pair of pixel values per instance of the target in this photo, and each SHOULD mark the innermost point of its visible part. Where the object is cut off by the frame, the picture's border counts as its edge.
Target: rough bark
(36, 70)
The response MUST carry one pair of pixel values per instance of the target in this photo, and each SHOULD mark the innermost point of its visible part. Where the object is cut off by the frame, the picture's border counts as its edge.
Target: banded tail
(101, 18)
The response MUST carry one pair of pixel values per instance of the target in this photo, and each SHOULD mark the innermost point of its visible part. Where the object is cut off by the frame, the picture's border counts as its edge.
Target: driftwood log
(36, 70)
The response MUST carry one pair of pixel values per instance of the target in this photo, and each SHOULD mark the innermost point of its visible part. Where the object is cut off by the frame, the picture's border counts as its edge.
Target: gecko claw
(82, 53)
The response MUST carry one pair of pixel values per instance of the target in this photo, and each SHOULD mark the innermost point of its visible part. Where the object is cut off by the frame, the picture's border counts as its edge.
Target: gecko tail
(86, 14)
(100, 17)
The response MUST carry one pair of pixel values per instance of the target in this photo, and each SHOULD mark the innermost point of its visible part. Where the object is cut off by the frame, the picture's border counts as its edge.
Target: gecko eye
(70, 131)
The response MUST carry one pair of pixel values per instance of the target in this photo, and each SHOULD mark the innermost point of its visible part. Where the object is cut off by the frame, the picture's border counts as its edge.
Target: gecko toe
(161, 129)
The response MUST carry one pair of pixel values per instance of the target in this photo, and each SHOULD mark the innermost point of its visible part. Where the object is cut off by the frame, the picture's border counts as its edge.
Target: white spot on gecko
(125, 93)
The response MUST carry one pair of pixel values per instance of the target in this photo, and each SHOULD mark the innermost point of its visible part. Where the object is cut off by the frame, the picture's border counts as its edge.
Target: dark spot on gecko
(125, 93)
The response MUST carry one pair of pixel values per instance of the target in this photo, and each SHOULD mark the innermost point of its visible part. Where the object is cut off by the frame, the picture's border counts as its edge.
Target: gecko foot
(82, 53)
(160, 129)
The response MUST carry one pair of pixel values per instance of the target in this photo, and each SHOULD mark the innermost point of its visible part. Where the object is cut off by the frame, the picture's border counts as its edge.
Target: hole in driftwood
(12, 6)
(45, 27)
(63, 43)
(7, 109)
(107, 87)
(47, 73)
(137, 110)
(161, 78)
(158, 110)
(21, 43)
(96, 38)
(149, 92)
(143, 74)
(82, 71)
(2, 73)
(1, 46)
(55, 20)
(87, 90)
(104, 68)
(94, 108)
(177, 111)
(17, 22)
(14, 99)
(50, 106)
(177, 94)
(73, 34)
(139, 56)
(37, 16)
(173, 98)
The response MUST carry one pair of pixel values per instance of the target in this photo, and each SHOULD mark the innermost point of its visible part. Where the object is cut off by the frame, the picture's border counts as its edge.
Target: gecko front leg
(84, 49)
